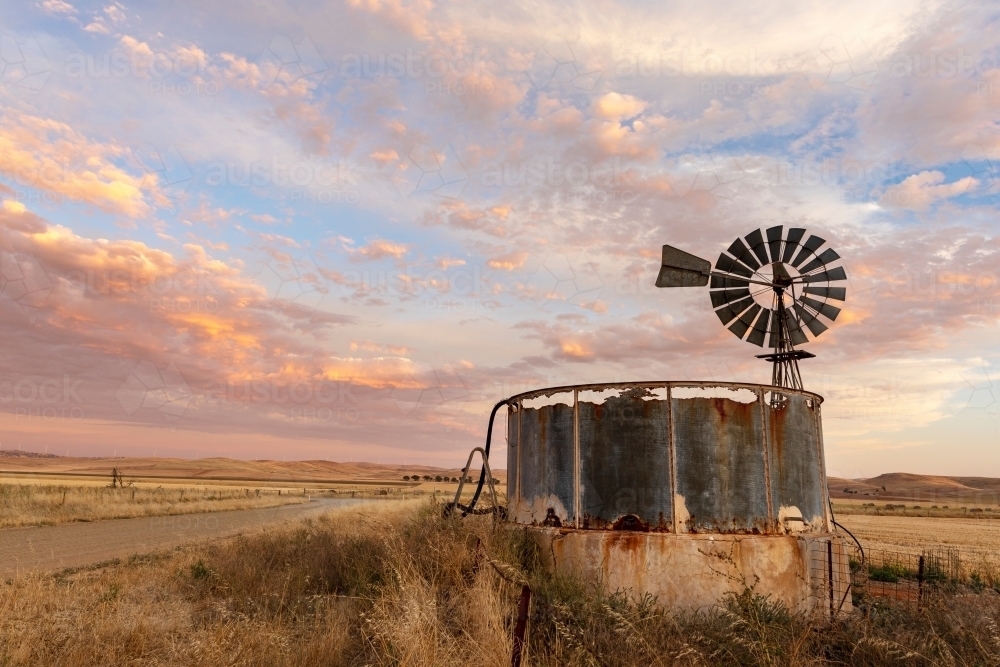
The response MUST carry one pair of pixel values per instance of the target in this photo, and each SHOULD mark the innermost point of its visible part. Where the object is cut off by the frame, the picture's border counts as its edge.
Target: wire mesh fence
(881, 577)
(829, 577)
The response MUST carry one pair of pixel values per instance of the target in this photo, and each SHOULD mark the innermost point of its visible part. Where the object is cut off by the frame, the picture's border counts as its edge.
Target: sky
(344, 230)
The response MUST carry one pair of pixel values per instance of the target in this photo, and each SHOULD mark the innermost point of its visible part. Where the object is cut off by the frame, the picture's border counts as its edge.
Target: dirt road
(48, 548)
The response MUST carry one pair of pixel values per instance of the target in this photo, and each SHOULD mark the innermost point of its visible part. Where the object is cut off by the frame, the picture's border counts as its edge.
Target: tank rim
(662, 384)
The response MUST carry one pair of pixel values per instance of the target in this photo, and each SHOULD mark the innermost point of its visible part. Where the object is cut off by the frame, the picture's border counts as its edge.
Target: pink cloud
(380, 249)
(52, 156)
(919, 191)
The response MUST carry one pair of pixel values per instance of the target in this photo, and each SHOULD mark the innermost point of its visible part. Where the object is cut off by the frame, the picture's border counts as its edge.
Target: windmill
(767, 290)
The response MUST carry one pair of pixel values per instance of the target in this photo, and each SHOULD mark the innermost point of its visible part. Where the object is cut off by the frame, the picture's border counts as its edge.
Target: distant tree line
(436, 478)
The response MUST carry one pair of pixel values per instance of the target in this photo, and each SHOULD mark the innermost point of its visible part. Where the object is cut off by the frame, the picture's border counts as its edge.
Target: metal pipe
(521, 627)
(486, 454)
(829, 569)
(577, 520)
(920, 579)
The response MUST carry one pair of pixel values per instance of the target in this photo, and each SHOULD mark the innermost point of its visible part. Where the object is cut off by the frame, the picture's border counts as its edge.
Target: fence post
(829, 574)
(920, 580)
(522, 625)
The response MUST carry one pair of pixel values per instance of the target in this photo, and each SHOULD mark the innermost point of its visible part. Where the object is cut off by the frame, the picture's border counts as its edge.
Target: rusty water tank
(648, 484)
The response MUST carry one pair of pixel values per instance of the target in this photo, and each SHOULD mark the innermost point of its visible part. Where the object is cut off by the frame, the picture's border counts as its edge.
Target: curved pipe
(486, 456)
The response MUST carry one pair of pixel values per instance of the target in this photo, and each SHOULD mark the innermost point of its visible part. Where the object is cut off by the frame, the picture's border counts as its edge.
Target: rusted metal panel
(546, 465)
(629, 460)
(513, 476)
(797, 480)
(720, 467)
(625, 463)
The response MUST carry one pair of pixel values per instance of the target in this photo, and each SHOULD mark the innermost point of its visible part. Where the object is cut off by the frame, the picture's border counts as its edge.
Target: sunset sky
(345, 230)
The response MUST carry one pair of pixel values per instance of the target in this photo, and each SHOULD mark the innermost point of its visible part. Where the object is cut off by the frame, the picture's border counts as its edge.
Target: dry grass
(39, 504)
(398, 585)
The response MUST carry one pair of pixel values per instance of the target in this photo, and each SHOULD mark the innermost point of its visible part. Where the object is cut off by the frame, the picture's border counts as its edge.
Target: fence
(881, 577)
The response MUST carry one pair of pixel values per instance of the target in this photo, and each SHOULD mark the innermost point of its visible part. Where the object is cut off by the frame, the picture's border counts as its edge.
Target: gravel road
(48, 548)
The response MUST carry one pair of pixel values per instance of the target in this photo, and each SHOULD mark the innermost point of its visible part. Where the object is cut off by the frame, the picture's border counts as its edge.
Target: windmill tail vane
(767, 287)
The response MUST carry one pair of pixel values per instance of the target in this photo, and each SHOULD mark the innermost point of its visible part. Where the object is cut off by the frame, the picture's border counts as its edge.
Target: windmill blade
(774, 242)
(795, 235)
(742, 325)
(808, 248)
(727, 264)
(725, 297)
(826, 310)
(826, 276)
(743, 254)
(794, 329)
(828, 257)
(756, 241)
(682, 269)
(838, 293)
(815, 326)
(795, 334)
(720, 281)
(760, 328)
(729, 312)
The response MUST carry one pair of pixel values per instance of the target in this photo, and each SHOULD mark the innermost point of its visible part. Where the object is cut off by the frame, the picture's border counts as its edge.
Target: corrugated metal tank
(671, 457)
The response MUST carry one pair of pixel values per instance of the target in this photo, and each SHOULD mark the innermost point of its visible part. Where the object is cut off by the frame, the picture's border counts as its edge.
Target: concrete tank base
(694, 571)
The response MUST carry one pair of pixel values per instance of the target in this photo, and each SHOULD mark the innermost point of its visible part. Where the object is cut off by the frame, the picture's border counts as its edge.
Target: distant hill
(221, 468)
(896, 486)
(927, 488)
(30, 455)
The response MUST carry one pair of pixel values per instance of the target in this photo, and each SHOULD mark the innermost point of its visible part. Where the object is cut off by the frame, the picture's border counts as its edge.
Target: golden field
(49, 504)
(48, 490)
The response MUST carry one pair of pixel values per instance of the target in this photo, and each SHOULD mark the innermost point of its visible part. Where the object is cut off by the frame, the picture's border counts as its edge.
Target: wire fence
(882, 577)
